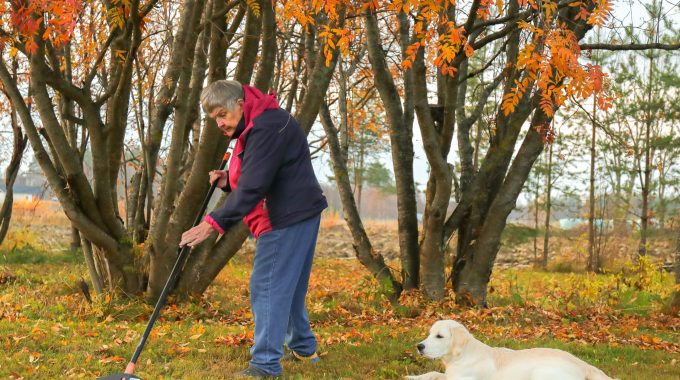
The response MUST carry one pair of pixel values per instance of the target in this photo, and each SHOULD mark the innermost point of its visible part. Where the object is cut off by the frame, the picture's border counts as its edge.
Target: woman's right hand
(220, 176)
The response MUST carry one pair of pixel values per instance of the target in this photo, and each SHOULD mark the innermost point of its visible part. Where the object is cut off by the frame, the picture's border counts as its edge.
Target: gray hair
(222, 93)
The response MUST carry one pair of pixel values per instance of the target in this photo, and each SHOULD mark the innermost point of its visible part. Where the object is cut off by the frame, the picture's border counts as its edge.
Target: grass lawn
(48, 330)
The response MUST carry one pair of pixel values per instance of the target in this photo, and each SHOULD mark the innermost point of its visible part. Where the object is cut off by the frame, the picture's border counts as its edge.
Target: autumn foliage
(551, 58)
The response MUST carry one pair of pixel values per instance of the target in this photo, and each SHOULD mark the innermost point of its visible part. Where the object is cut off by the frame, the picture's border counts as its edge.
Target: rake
(182, 255)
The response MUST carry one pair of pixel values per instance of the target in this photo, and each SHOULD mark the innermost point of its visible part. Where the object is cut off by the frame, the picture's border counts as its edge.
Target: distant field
(43, 225)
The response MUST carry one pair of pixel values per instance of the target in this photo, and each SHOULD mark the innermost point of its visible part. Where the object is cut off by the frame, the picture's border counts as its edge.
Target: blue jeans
(278, 286)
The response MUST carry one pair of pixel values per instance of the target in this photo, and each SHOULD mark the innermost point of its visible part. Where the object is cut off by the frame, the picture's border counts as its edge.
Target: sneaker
(254, 373)
(292, 356)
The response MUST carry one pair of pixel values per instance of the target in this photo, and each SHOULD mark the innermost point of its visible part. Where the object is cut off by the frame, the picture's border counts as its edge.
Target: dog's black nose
(421, 347)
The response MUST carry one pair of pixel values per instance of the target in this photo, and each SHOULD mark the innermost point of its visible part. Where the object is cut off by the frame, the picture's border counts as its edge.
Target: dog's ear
(459, 339)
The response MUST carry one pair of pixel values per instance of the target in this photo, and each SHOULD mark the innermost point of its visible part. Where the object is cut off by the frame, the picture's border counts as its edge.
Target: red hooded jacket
(272, 180)
(255, 103)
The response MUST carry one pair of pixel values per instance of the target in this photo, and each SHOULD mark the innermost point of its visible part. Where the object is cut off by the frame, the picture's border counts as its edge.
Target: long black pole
(183, 254)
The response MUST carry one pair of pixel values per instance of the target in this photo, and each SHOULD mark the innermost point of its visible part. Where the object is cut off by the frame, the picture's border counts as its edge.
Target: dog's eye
(438, 336)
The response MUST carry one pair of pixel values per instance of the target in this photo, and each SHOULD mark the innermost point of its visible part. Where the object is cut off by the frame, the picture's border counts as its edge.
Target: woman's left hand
(196, 235)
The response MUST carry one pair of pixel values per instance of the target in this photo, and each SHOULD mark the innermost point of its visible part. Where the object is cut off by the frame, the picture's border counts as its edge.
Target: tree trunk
(592, 261)
(536, 206)
(95, 275)
(470, 213)
(249, 48)
(92, 208)
(318, 81)
(179, 216)
(473, 279)
(400, 121)
(207, 260)
(437, 134)
(661, 191)
(18, 147)
(359, 170)
(75, 239)
(365, 252)
(204, 264)
(675, 303)
(548, 204)
(646, 183)
(265, 72)
(482, 212)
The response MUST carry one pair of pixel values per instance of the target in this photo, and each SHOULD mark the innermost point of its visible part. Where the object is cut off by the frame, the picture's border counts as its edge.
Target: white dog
(466, 358)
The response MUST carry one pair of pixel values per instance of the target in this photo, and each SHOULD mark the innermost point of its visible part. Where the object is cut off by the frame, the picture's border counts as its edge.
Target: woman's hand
(196, 235)
(220, 176)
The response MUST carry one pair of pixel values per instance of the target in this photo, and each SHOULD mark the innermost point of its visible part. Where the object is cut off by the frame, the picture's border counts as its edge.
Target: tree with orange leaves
(104, 68)
(536, 67)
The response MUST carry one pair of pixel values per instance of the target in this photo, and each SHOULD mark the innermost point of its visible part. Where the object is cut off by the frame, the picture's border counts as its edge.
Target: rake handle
(183, 254)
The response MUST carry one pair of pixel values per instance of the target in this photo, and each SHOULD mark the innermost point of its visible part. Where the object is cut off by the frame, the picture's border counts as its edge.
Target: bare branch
(612, 47)
(100, 57)
(487, 65)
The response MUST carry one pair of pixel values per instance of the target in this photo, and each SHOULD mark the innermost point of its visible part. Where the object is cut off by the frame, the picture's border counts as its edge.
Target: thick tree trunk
(206, 261)
(437, 134)
(91, 207)
(249, 48)
(483, 210)
(177, 78)
(473, 280)
(181, 213)
(485, 188)
(122, 275)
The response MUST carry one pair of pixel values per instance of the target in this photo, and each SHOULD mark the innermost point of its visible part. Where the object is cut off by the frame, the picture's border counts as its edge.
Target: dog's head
(447, 339)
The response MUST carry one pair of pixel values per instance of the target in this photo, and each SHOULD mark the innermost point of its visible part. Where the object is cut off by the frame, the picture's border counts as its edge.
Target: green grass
(85, 349)
(30, 255)
(47, 330)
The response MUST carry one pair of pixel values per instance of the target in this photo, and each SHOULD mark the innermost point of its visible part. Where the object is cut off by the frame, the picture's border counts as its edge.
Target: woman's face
(227, 120)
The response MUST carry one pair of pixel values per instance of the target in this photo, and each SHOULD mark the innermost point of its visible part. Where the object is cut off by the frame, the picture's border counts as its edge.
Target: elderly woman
(275, 192)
